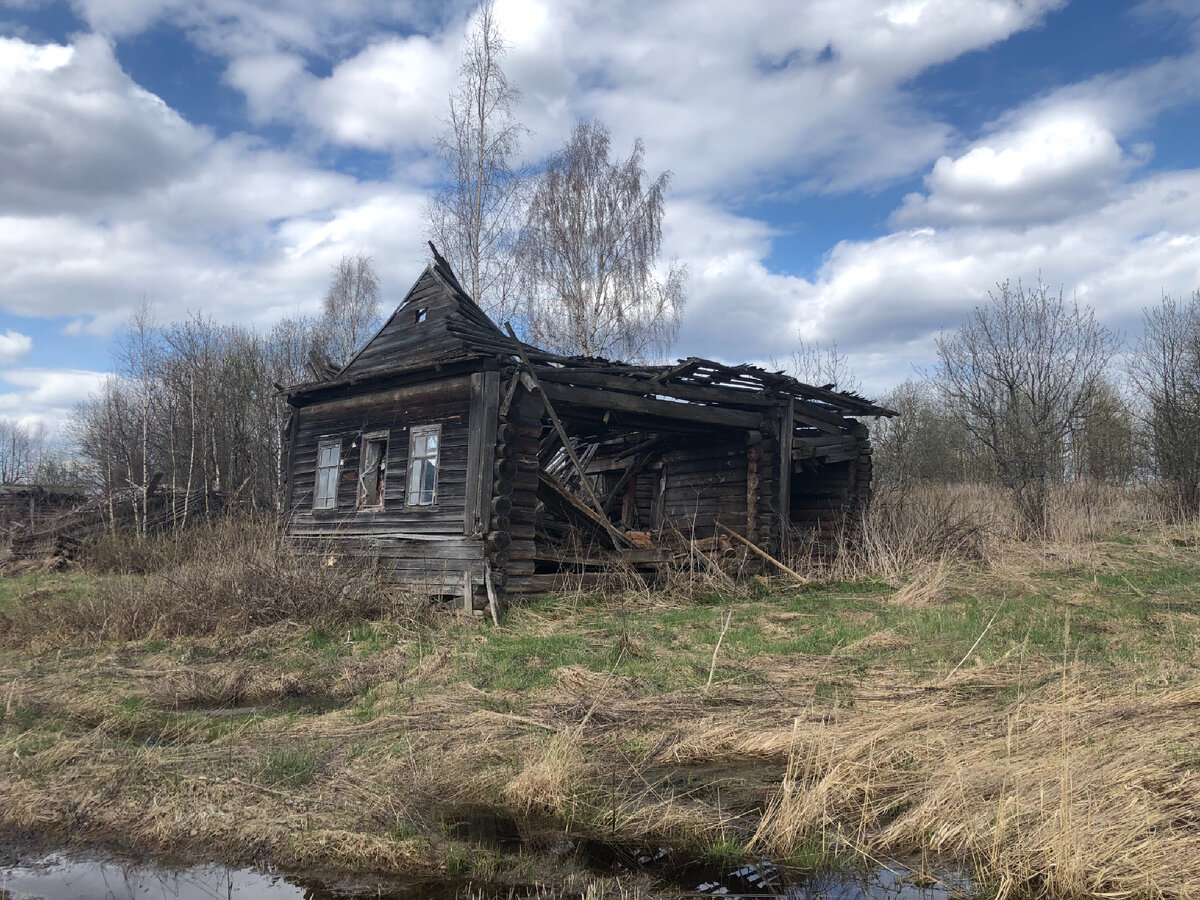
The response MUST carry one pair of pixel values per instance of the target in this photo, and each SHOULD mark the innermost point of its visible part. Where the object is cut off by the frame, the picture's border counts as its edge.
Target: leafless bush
(905, 529)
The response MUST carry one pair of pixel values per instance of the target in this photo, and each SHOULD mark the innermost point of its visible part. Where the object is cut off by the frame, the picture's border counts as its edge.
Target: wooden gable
(437, 322)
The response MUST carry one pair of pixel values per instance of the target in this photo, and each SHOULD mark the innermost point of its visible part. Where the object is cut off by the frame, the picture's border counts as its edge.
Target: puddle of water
(485, 827)
(764, 879)
(58, 877)
(62, 876)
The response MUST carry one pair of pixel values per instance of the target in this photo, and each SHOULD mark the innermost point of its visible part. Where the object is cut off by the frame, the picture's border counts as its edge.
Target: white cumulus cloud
(14, 347)
(1059, 163)
(76, 131)
(46, 396)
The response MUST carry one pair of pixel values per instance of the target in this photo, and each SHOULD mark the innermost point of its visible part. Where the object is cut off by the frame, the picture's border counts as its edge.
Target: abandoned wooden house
(460, 460)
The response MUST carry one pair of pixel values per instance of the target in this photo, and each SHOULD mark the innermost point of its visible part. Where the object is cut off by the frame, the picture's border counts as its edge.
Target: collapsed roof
(438, 324)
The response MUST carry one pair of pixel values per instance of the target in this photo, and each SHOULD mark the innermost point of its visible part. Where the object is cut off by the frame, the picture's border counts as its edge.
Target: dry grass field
(940, 692)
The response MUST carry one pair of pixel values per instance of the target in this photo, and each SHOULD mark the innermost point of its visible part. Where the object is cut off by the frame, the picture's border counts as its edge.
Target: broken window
(329, 464)
(423, 464)
(420, 316)
(372, 469)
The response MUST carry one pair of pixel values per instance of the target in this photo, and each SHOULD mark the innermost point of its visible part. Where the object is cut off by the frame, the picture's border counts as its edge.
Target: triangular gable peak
(437, 322)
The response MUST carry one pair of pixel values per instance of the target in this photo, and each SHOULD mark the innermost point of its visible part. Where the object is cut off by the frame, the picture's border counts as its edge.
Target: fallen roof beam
(688, 412)
(615, 536)
(571, 509)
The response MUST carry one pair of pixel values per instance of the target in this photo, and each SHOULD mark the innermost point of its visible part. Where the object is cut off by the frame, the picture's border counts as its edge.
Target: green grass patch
(20, 716)
(290, 766)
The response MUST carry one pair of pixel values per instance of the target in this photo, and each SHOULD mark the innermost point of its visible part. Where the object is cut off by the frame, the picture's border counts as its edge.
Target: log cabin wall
(706, 482)
(514, 492)
(421, 545)
(763, 452)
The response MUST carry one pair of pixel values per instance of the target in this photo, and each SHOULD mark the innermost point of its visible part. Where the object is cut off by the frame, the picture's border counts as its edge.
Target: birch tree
(350, 311)
(590, 251)
(823, 365)
(475, 217)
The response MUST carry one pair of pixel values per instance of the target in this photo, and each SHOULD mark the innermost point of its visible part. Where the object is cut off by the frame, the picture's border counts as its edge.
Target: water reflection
(56, 877)
(764, 879)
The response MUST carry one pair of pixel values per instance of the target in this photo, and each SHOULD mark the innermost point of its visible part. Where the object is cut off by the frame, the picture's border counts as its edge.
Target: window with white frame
(423, 443)
(329, 467)
(372, 470)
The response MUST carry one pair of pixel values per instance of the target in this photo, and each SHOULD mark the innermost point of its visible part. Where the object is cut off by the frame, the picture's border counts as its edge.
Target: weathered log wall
(422, 546)
(706, 483)
(514, 497)
(831, 478)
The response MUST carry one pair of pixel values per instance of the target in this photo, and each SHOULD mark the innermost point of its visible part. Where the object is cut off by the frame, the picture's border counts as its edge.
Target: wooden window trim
(373, 437)
(415, 432)
(322, 445)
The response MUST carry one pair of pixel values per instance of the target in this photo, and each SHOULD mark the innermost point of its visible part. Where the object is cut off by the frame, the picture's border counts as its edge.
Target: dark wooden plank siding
(394, 411)
(433, 566)
(403, 340)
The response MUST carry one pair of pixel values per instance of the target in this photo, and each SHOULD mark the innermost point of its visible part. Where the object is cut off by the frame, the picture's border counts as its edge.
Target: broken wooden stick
(491, 592)
(761, 552)
(713, 668)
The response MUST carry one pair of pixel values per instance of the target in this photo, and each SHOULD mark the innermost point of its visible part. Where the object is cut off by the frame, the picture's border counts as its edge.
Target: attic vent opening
(419, 316)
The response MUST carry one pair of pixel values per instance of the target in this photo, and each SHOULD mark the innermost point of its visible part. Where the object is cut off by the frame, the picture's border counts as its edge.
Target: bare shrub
(902, 532)
(915, 533)
(1085, 510)
(1165, 370)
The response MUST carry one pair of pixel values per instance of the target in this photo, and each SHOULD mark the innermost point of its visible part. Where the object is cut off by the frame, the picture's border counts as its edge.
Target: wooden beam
(482, 422)
(617, 538)
(684, 366)
(687, 412)
(761, 552)
(644, 386)
(633, 469)
(810, 447)
(508, 395)
(558, 499)
(752, 454)
(493, 601)
(787, 430)
(826, 419)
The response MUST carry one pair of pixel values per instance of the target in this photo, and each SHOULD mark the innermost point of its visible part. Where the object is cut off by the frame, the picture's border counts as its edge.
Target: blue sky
(856, 171)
